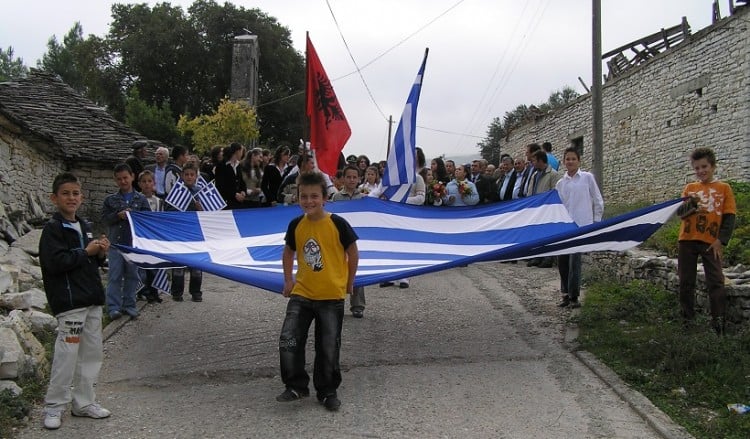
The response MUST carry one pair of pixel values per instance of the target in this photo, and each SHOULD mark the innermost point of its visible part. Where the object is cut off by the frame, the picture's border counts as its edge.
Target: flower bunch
(363, 190)
(435, 193)
(464, 188)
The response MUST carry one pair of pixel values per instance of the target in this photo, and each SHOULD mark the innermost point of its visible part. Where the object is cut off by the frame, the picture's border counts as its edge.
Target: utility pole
(390, 129)
(597, 159)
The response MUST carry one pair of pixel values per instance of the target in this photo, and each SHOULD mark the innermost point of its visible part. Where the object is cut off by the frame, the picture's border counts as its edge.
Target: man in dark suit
(508, 182)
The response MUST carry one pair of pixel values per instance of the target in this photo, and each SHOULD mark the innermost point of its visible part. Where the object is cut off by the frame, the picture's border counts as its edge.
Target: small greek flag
(161, 280)
(179, 196)
(210, 198)
(201, 182)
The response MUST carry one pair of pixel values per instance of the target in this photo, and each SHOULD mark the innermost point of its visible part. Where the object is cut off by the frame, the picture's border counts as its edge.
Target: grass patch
(689, 373)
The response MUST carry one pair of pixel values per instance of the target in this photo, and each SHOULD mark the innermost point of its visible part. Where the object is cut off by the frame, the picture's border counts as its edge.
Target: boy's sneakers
(331, 403)
(292, 395)
(114, 315)
(52, 419)
(94, 411)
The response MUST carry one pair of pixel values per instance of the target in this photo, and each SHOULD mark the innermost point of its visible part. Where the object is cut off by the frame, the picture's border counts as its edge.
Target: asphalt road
(474, 352)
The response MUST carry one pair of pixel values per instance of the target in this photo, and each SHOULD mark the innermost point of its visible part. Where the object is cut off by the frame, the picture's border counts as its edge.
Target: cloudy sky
(486, 56)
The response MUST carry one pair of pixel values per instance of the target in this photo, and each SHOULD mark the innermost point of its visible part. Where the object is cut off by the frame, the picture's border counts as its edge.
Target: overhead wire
(509, 43)
(359, 71)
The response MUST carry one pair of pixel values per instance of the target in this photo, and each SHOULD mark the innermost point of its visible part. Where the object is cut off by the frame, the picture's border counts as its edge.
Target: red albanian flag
(329, 129)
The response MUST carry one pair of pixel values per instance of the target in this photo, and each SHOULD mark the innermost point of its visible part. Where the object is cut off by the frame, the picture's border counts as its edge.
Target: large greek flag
(401, 172)
(396, 240)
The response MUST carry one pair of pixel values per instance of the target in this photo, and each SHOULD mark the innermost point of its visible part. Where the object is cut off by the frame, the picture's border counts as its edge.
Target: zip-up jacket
(118, 230)
(71, 277)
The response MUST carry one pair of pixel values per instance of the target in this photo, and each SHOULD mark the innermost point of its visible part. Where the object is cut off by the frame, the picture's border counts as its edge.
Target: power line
(359, 71)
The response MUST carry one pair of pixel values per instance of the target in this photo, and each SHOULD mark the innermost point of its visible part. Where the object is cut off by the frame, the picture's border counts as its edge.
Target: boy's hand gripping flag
(329, 129)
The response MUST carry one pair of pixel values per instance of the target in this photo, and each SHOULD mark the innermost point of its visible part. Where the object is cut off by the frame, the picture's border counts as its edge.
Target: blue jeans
(569, 267)
(328, 316)
(122, 283)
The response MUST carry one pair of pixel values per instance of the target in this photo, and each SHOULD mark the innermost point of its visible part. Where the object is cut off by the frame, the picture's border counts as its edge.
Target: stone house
(46, 128)
(695, 93)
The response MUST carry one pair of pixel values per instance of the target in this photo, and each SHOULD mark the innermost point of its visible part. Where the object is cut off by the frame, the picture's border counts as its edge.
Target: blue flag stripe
(395, 249)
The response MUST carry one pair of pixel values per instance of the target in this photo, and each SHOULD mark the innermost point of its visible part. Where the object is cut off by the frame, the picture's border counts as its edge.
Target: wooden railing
(640, 51)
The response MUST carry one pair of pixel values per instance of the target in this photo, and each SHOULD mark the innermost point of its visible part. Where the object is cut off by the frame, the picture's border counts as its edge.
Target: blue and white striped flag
(161, 280)
(201, 182)
(401, 170)
(396, 240)
(179, 196)
(210, 198)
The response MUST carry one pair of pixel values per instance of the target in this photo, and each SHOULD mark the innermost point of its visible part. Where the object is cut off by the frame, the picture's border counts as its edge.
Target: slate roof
(43, 105)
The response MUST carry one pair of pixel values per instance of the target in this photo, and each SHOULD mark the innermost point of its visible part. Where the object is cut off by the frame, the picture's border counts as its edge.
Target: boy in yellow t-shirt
(708, 217)
(327, 257)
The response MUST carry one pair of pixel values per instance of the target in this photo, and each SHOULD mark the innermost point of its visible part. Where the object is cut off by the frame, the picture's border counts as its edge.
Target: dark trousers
(178, 281)
(569, 267)
(688, 253)
(328, 316)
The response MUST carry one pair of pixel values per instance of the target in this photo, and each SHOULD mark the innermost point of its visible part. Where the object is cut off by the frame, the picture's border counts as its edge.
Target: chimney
(245, 55)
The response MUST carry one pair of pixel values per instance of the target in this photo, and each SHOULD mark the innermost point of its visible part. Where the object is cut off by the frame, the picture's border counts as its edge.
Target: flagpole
(306, 125)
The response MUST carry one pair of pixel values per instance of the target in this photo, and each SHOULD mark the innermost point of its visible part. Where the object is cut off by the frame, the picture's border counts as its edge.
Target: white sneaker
(94, 411)
(52, 419)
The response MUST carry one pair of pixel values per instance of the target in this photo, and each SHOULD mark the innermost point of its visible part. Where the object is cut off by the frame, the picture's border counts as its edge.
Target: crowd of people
(324, 245)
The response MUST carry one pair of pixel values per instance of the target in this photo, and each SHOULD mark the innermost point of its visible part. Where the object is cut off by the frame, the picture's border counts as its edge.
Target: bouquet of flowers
(363, 190)
(464, 188)
(435, 193)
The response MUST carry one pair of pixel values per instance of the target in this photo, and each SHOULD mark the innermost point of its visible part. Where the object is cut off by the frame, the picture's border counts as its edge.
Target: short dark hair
(191, 165)
(547, 146)
(177, 151)
(350, 168)
(313, 178)
(540, 155)
(122, 167)
(61, 179)
(704, 153)
(574, 150)
(533, 147)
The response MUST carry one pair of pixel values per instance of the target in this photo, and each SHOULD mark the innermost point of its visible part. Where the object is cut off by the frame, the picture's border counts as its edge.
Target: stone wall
(28, 171)
(23, 171)
(662, 271)
(695, 94)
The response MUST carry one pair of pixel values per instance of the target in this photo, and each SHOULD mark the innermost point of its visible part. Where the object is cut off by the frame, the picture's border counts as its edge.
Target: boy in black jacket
(70, 260)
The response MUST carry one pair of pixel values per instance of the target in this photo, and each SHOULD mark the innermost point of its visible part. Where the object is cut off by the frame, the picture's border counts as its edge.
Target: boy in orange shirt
(708, 217)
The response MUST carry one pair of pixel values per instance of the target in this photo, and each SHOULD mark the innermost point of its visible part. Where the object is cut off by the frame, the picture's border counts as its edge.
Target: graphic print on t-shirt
(313, 257)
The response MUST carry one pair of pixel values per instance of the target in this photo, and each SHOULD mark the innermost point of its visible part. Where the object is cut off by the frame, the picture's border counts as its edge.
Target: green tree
(85, 64)
(233, 121)
(154, 122)
(186, 59)
(489, 147)
(11, 68)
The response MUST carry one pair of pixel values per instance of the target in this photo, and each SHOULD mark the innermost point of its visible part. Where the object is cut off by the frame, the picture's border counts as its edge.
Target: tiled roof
(43, 105)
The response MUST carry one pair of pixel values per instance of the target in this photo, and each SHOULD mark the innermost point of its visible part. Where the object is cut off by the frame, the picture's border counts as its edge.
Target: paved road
(472, 352)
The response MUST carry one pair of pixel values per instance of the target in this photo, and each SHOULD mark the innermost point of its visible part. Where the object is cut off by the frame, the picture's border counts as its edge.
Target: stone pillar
(245, 56)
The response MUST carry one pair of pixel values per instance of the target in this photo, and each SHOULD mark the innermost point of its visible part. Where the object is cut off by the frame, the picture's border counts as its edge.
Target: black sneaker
(575, 303)
(177, 298)
(386, 284)
(292, 395)
(565, 302)
(197, 298)
(331, 403)
(357, 314)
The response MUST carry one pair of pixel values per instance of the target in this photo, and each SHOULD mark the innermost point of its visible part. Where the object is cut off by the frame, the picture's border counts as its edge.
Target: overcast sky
(486, 56)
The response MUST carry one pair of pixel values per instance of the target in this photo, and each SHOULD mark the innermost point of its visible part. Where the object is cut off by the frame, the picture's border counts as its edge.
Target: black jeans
(178, 281)
(328, 316)
(688, 253)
